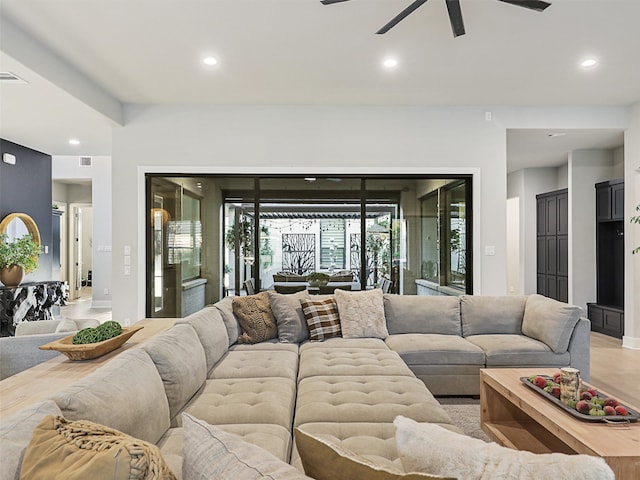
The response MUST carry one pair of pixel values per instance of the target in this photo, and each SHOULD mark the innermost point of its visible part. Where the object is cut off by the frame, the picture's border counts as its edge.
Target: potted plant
(17, 257)
(316, 279)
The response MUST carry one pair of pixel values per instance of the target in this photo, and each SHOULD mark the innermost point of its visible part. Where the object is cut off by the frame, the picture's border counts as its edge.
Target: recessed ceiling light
(588, 62)
(74, 141)
(210, 61)
(390, 63)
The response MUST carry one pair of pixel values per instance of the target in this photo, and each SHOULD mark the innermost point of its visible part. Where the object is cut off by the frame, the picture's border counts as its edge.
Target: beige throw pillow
(362, 314)
(430, 448)
(211, 453)
(81, 450)
(255, 317)
(324, 460)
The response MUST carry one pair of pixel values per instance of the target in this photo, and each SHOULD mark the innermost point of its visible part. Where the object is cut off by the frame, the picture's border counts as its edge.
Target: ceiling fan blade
(537, 5)
(401, 16)
(329, 2)
(455, 16)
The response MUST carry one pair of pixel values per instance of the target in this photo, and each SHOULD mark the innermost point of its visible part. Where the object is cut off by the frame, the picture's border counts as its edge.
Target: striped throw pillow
(322, 318)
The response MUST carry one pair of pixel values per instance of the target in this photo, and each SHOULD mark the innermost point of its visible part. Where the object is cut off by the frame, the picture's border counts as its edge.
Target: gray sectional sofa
(347, 390)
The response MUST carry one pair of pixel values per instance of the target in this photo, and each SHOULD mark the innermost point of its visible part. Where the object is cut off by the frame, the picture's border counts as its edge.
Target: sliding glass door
(243, 234)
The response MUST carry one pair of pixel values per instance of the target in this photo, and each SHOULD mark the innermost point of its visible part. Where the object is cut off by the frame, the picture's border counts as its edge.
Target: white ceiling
(302, 52)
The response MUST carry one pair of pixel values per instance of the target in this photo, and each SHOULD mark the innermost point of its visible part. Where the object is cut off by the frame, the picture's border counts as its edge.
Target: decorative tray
(632, 415)
(88, 351)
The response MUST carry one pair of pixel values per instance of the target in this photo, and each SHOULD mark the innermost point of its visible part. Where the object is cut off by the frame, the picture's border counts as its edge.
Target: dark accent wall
(26, 188)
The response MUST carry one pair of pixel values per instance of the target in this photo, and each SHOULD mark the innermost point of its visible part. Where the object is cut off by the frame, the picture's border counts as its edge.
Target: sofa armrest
(20, 353)
(579, 347)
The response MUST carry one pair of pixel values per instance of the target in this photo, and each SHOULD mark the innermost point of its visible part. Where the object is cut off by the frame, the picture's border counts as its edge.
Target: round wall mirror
(16, 225)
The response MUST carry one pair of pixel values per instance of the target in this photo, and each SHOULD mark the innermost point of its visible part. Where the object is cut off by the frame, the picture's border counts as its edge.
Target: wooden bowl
(87, 351)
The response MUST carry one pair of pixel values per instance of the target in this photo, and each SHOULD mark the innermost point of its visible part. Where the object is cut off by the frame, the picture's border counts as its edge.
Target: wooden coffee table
(515, 416)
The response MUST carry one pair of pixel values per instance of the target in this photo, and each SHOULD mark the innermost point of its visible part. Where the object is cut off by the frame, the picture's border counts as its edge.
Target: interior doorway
(80, 250)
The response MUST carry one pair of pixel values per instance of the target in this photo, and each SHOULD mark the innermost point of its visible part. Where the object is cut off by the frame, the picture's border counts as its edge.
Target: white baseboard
(631, 342)
(101, 304)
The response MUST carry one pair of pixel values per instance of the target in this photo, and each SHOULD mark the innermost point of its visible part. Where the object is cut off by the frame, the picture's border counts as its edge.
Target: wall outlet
(106, 291)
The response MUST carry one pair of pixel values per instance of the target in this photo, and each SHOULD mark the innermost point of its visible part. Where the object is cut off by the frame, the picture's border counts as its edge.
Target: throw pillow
(80, 450)
(362, 314)
(209, 452)
(16, 431)
(66, 325)
(550, 321)
(430, 448)
(324, 460)
(292, 326)
(322, 318)
(255, 317)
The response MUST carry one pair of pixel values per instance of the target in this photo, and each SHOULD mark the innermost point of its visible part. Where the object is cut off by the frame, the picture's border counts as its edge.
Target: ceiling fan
(455, 13)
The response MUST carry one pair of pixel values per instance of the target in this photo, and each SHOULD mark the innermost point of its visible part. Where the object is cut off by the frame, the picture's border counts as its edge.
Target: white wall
(586, 168)
(525, 185)
(513, 247)
(631, 337)
(100, 198)
(327, 139)
(305, 139)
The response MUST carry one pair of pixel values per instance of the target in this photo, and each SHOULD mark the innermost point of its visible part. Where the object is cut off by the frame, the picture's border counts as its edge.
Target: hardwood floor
(615, 369)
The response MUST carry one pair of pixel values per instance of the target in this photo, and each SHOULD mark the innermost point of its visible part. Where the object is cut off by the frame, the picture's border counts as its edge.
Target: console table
(29, 302)
(42, 381)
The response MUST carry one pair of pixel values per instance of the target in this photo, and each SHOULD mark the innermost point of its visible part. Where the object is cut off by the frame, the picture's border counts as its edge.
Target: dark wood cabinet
(607, 313)
(553, 244)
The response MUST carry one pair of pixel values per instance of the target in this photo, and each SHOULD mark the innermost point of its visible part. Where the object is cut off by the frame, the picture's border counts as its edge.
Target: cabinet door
(603, 203)
(541, 253)
(542, 284)
(596, 317)
(552, 287)
(563, 214)
(563, 289)
(563, 255)
(613, 323)
(551, 254)
(541, 223)
(551, 212)
(617, 200)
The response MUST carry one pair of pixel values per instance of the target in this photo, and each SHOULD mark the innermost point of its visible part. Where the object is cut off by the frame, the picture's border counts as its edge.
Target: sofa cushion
(118, 395)
(15, 434)
(324, 460)
(255, 317)
(422, 314)
(374, 441)
(273, 345)
(256, 364)
(436, 450)
(245, 400)
(275, 439)
(365, 398)
(225, 306)
(550, 321)
(361, 314)
(322, 318)
(79, 450)
(292, 326)
(211, 330)
(210, 452)
(181, 362)
(517, 350)
(349, 343)
(435, 349)
(356, 361)
(486, 314)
